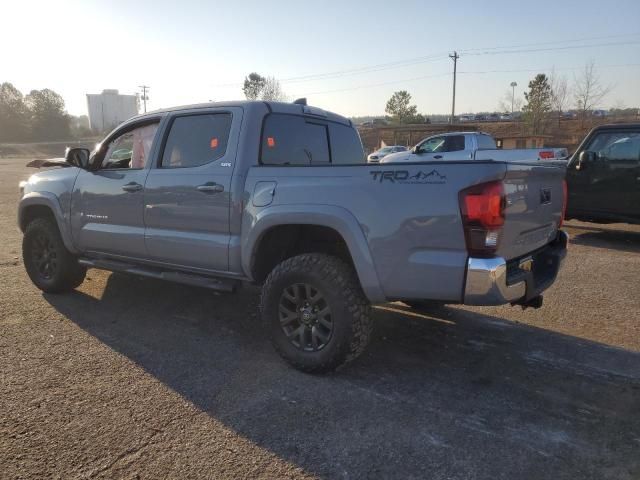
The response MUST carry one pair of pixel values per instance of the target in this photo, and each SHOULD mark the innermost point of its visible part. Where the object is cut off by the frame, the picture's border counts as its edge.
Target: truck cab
(603, 176)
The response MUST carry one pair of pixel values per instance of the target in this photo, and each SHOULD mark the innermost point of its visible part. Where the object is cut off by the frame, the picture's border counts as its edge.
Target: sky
(344, 56)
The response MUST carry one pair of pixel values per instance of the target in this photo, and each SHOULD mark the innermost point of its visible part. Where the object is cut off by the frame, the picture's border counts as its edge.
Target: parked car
(603, 176)
(506, 117)
(384, 151)
(226, 194)
(467, 118)
(600, 113)
(470, 146)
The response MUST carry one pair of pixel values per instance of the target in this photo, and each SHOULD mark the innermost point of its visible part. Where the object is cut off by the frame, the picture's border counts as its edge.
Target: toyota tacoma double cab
(281, 195)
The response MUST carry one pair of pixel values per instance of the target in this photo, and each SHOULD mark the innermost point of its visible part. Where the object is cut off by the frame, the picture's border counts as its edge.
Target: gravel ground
(135, 378)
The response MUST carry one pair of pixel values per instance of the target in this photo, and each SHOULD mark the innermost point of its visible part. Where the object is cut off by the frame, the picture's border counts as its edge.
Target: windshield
(385, 150)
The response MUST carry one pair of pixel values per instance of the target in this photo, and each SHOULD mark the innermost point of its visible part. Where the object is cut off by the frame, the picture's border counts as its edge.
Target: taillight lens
(482, 208)
(564, 202)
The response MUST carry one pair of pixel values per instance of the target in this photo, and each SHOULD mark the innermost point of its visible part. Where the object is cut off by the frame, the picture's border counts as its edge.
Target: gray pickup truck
(281, 195)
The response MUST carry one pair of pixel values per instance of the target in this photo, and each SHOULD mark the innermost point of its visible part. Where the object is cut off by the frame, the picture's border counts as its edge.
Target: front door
(107, 202)
(610, 184)
(187, 193)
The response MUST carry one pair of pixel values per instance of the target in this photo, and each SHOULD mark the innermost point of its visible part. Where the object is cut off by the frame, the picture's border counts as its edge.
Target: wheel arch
(331, 222)
(44, 204)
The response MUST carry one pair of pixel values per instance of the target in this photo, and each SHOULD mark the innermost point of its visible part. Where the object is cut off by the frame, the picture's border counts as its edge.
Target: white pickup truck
(470, 146)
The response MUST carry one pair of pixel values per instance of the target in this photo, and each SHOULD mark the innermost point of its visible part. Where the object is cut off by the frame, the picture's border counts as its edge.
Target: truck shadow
(622, 240)
(443, 393)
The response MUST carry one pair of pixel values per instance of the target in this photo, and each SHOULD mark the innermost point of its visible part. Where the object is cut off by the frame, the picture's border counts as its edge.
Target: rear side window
(485, 142)
(346, 146)
(454, 143)
(196, 140)
(293, 140)
(297, 140)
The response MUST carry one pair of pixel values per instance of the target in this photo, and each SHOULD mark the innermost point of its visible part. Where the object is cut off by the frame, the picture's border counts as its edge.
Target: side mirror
(584, 159)
(78, 157)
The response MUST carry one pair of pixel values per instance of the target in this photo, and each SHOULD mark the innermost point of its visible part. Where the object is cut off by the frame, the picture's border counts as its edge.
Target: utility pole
(145, 97)
(513, 95)
(455, 58)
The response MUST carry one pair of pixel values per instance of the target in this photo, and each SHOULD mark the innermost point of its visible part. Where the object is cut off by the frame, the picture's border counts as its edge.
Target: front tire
(51, 267)
(315, 310)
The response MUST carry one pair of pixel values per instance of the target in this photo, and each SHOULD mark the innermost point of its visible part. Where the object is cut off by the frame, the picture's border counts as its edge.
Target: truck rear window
(298, 140)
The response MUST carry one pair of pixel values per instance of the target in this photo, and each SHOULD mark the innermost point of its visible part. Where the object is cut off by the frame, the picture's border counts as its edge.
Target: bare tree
(588, 91)
(505, 102)
(272, 91)
(559, 93)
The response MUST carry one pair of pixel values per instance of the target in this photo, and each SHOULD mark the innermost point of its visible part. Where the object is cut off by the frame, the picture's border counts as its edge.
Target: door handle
(210, 187)
(132, 187)
(437, 157)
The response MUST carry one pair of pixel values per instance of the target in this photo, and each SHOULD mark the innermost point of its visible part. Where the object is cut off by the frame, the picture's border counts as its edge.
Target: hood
(397, 157)
(57, 181)
(49, 162)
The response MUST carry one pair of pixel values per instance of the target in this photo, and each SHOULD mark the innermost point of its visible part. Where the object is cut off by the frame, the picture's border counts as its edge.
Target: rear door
(187, 197)
(610, 185)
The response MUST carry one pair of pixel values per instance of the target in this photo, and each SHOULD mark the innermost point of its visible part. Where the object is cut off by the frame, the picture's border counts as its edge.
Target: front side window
(617, 149)
(196, 140)
(432, 145)
(131, 149)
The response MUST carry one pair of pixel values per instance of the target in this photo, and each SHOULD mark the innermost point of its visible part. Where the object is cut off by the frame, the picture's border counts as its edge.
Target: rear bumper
(495, 281)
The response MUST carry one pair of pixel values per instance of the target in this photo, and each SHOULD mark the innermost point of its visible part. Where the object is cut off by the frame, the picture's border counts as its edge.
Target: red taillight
(482, 208)
(564, 202)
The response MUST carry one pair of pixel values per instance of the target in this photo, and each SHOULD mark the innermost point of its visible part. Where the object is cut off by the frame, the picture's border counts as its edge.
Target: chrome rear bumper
(494, 281)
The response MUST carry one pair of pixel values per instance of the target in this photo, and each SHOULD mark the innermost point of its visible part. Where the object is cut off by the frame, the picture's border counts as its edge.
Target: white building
(109, 108)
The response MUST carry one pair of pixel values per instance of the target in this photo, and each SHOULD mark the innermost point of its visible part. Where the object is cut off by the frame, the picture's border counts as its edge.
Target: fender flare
(337, 218)
(51, 201)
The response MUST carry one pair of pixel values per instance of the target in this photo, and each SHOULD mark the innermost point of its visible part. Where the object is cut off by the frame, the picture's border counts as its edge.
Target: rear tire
(51, 267)
(317, 315)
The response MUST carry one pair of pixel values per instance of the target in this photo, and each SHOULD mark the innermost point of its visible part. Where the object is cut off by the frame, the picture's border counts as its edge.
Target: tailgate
(533, 211)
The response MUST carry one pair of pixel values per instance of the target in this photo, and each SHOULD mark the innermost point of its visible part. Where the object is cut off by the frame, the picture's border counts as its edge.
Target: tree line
(38, 116)
(547, 95)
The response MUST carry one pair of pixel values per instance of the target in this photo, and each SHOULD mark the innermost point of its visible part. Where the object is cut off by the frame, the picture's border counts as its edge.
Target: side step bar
(213, 283)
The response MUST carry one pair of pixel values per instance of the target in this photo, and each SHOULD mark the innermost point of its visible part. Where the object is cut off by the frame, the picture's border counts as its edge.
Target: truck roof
(276, 107)
(617, 126)
(447, 134)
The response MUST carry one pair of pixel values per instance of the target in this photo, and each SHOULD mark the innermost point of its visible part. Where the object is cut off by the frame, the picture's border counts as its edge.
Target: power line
(444, 74)
(549, 49)
(497, 50)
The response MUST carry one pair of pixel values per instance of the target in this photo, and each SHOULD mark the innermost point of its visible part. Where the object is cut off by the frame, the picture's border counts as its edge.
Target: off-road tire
(350, 310)
(67, 274)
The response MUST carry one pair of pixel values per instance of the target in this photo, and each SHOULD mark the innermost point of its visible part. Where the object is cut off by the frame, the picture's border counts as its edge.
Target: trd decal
(404, 176)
